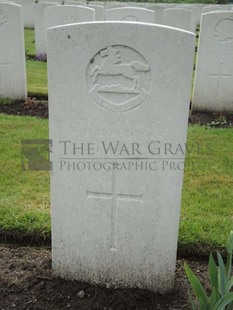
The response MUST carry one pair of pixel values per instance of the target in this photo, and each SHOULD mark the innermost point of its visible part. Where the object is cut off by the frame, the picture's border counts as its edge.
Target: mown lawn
(24, 195)
(207, 202)
(36, 70)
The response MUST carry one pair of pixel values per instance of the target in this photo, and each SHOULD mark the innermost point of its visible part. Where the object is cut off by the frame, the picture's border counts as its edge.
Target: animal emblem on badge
(118, 78)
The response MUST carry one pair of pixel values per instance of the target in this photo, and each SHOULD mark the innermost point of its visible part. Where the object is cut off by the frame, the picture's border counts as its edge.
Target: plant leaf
(230, 284)
(222, 275)
(194, 307)
(214, 297)
(213, 272)
(223, 302)
(196, 285)
(228, 265)
(203, 305)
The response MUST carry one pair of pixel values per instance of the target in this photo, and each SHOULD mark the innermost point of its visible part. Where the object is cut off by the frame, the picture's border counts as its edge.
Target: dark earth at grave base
(26, 282)
(39, 108)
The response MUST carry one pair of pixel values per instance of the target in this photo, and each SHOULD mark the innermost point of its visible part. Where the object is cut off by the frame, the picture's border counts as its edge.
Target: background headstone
(40, 28)
(112, 82)
(179, 18)
(99, 11)
(213, 89)
(159, 12)
(210, 8)
(12, 52)
(28, 12)
(68, 14)
(131, 14)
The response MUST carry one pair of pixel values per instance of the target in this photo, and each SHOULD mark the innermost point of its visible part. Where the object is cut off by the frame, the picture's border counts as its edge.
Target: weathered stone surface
(12, 52)
(67, 14)
(179, 18)
(213, 89)
(116, 221)
(99, 11)
(131, 14)
(28, 12)
(40, 27)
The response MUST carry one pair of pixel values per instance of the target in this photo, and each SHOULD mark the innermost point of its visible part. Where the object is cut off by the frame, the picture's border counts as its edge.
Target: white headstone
(68, 14)
(193, 12)
(213, 89)
(40, 28)
(12, 52)
(197, 8)
(28, 12)
(99, 11)
(117, 83)
(8, 1)
(159, 12)
(210, 8)
(114, 5)
(178, 18)
(131, 14)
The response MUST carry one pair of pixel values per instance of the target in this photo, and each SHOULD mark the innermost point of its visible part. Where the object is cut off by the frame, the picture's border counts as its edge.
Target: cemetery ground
(25, 276)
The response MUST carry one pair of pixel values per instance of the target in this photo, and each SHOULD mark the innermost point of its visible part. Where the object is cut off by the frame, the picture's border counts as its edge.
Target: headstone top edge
(130, 8)
(218, 12)
(70, 5)
(118, 23)
(9, 5)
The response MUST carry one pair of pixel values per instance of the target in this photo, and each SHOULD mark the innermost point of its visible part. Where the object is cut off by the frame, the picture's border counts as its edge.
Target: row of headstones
(115, 223)
(115, 214)
(214, 68)
(50, 15)
(176, 15)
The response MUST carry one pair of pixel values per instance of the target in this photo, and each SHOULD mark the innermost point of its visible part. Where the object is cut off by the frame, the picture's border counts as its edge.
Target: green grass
(207, 207)
(36, 70)
(37, 77)
(29, 38)
(207, 201)
(24, 195)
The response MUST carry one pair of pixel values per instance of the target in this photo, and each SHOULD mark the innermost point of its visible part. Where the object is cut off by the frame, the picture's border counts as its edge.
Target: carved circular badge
(3, 18)
(223, 30)
(130, 18)
(118, 78)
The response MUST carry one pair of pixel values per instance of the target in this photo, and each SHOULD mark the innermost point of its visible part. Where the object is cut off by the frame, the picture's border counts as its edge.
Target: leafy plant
(41, 57)
(221, 297)
(217, 123)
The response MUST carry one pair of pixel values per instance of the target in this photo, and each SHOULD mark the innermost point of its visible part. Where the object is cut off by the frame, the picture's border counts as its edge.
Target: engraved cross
(219, 76)
(114, 196)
